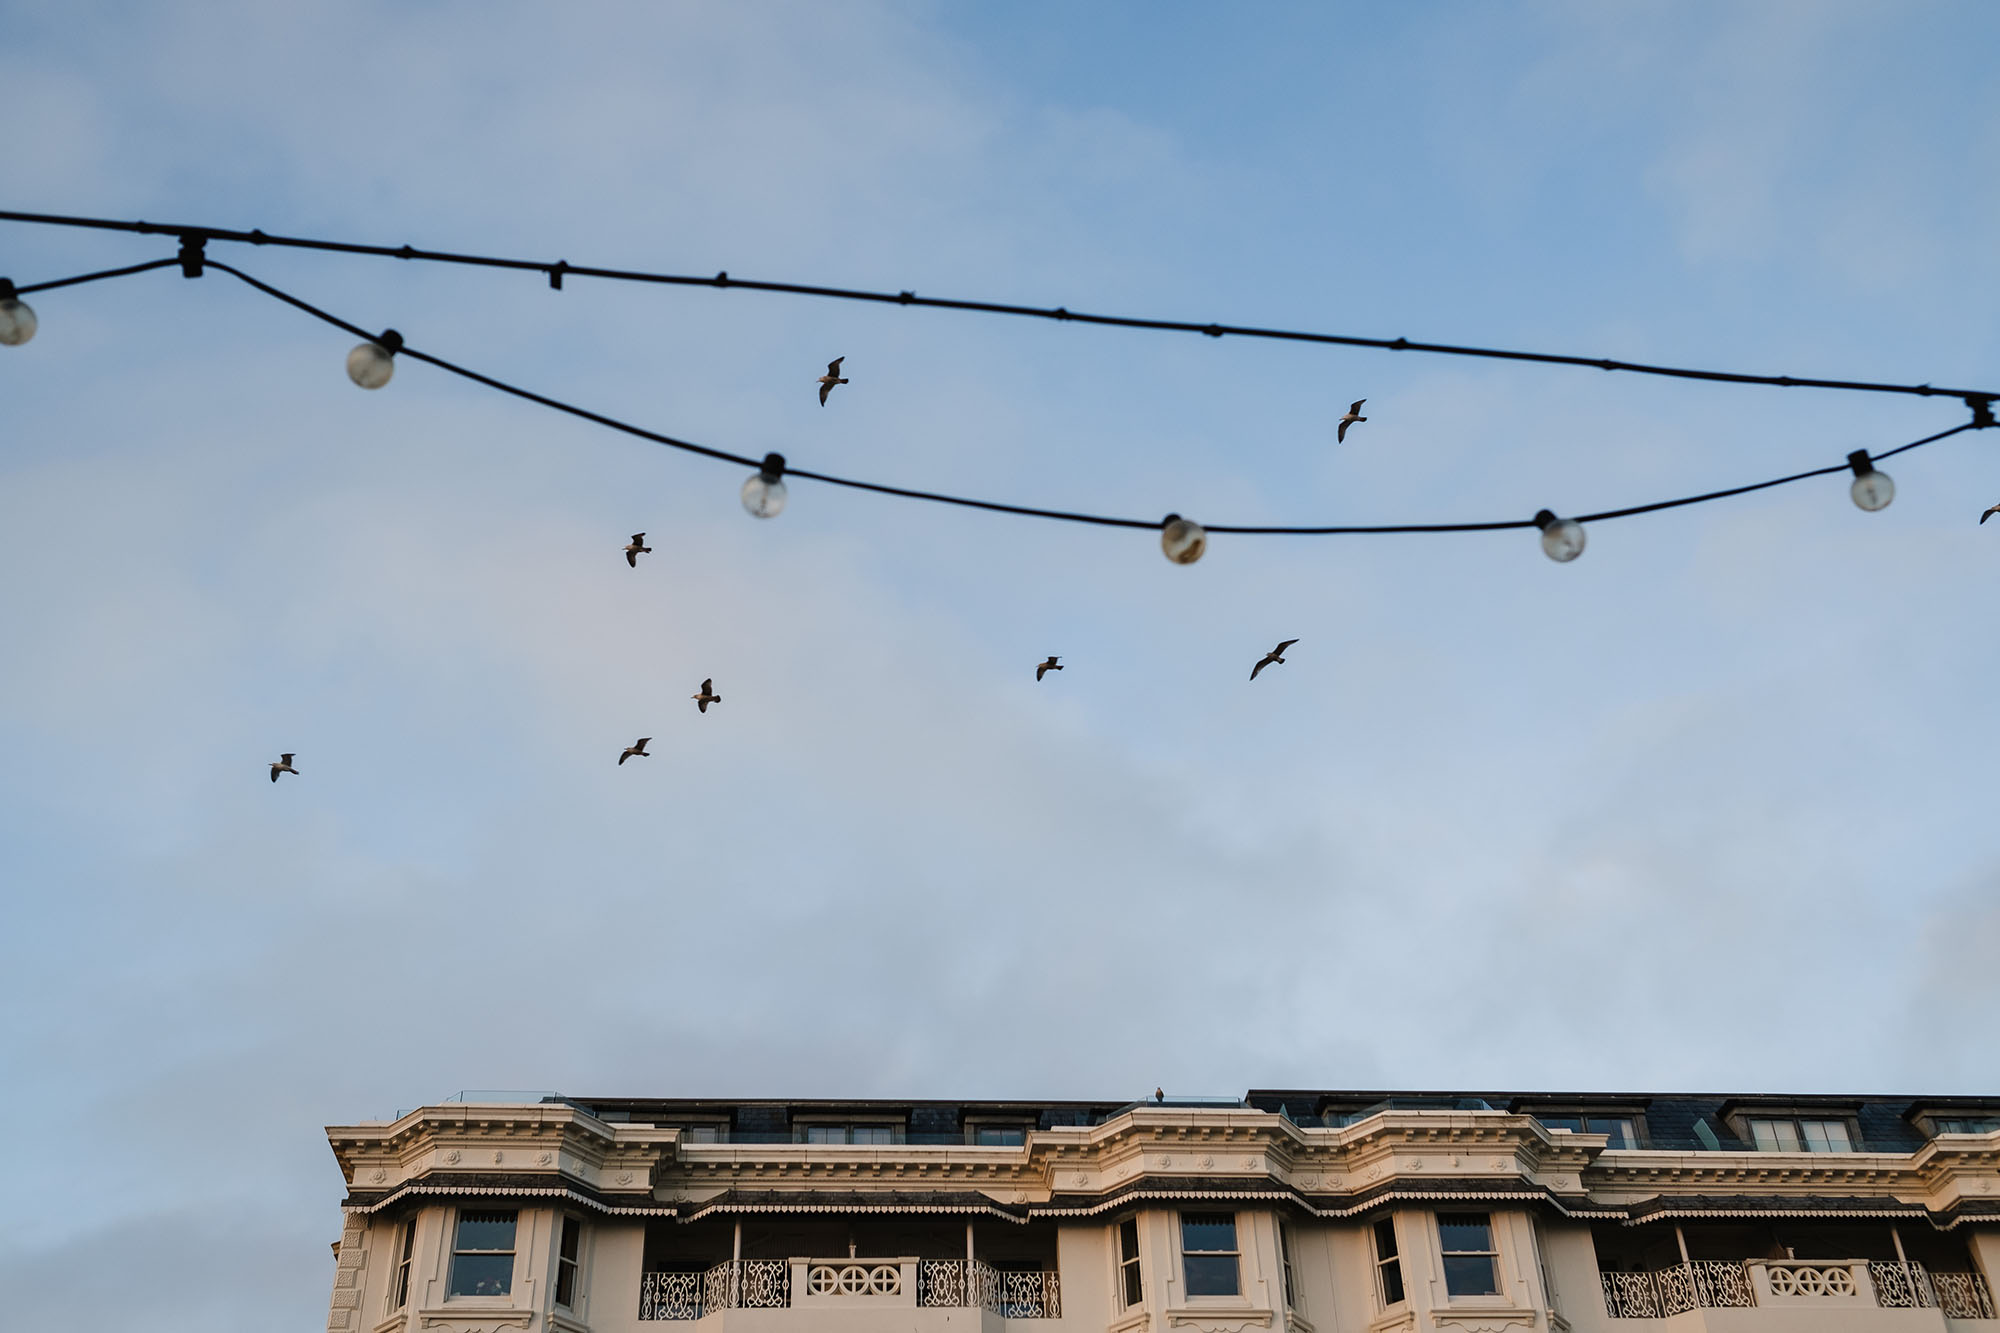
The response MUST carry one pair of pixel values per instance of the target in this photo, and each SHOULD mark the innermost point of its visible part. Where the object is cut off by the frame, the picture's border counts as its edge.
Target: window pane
(482, 1274)
(485, 1231)
(1775, 1135)
(1392, 1281)
(1618, 1127)
(1965, 1125)
(1385, 1239)
(1128, 1238)
(566, 1284)
(1133, 1292)
(871, 1134)
(1208, 1231)
(1001, 1138)
(1464, 1231)
(702, 1134)
(825, 1134)
(1469, 1275)
(1825, 1135)
(1210, 1274)
(572, 1232)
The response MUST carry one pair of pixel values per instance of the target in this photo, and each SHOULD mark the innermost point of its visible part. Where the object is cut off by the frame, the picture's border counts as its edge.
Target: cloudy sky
(1709, 808)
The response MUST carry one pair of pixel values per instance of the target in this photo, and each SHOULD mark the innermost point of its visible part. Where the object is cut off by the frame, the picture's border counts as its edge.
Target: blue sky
(1708, 808)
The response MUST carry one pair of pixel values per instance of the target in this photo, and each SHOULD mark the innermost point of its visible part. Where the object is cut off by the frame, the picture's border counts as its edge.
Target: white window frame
(1133, 1262)
(1394, 1259)
(1794, 1127)
(513, 1253)
(1491, 1255)
(1236, 1255)
(1294, 1295)
(576, 1301)
(803, 1130)
(399, 1276)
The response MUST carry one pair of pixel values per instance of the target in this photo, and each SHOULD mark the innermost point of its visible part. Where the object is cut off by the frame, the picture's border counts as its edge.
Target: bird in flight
(1043, 668)
(1275, 655)
(706, 695)
(831, 378)
(284, 765)
(1989, 513)
(1353, 415)
(637, 747)
(637, 549)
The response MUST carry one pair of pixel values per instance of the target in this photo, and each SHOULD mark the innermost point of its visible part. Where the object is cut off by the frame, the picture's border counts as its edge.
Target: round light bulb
(370, 365)
(17, 320)
(1562, 538)
(1872, 490)
(764, 493)
(1182, 539)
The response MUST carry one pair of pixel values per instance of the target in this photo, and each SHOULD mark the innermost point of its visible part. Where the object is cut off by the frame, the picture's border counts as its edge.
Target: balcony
(850, 1284)
(1820, 1284)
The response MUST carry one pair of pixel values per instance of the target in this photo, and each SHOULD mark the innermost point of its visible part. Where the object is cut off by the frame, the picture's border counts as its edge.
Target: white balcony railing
(850, 1283)
(1709, 1283)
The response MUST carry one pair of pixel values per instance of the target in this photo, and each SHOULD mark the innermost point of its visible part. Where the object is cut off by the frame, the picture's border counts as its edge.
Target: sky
(1707, 809)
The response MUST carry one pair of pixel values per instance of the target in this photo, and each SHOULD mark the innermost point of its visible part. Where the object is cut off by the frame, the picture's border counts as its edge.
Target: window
(1467, 1242)
(869, 1134)
(566, 1252)
(704, 1133)
(1790, 1135)
(1388, 1268)
(1208, 1253)
(399, 1293)
(482, 1254)
(1621, 1128)
(999, 1136)
(1128, 1261)
(1964, 1124)
(1285, 1257)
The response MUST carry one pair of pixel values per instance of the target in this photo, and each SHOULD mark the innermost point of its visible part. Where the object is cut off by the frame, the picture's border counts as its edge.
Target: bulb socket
(1861, 462)
(1982, 411)
(193, 253)
(1544, 517)
(773, 468)
(7, 292)
(389, 341)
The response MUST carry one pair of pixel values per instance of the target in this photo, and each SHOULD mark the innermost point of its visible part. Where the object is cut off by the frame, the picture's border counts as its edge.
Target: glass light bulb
(1872, 491)
(370, 366)
(1182, 539)
(764, 496)
(1562, 540)
(17, 321)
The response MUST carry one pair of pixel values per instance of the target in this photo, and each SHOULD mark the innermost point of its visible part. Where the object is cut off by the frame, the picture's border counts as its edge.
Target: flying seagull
(284, 765)
(831, 378)
(1275, 655)
(707, 695)
(637, 549)
(1353, 415)
(1043, 668)
(1989, 513)
(637, 747)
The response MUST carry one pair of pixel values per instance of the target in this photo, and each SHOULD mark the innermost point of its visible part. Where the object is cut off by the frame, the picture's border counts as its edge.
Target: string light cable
(371, 365)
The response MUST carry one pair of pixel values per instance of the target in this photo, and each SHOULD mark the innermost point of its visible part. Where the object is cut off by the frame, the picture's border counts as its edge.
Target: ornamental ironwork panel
(1702, 1284)
(1901, 1286)
(670, 1296)
(1008, 1293)
(1962, 1295)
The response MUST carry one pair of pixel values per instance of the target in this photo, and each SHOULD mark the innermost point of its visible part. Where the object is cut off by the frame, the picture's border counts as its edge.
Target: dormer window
(849, 1133)
(1622, 1130)
(1799, 1134)
(1964, 1124)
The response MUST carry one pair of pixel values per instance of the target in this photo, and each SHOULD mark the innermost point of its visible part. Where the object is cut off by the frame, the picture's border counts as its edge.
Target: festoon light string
(371, 365)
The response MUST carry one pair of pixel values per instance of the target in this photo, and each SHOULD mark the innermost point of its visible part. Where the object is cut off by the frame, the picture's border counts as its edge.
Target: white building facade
(1295, 1212)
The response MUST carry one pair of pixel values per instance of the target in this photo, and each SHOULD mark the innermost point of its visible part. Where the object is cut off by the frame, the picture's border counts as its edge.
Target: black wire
(93, 277)
(562, 268)
(1102, 520)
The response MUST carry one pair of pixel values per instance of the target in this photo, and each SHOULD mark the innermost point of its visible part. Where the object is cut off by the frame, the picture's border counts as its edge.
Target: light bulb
(17, 318)
(1562, 538)
(1182, 539)
(1871, 490)
(371, 364)
(764, 493)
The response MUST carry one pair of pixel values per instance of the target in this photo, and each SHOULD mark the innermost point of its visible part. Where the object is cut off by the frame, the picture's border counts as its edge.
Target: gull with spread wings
(831, 378)
(1275, 655)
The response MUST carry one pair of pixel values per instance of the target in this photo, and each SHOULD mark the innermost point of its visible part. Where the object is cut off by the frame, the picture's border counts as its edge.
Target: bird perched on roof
(284, 765)
(637, 549)
(1043, 668)
(637, 747)
(1989, 513)
(1353, 415)
(831, 378)
(706, 696)
(1159, 1094)
(1275, 655)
